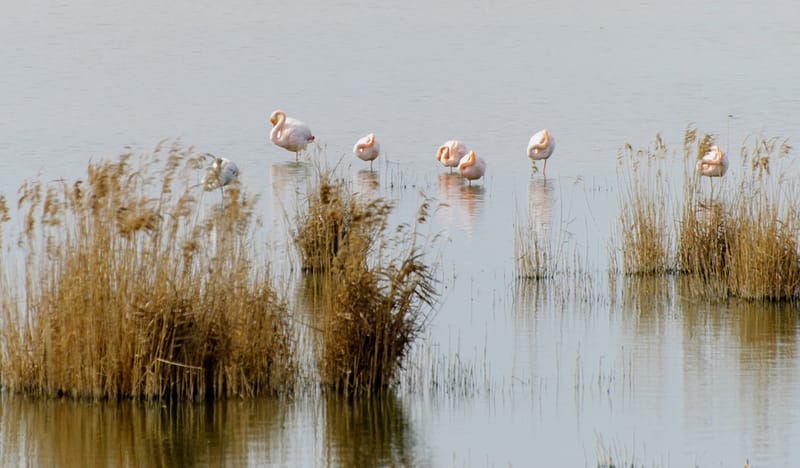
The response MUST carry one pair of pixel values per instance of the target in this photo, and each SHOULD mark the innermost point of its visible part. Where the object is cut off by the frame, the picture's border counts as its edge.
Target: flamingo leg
(544, 170)
(711, 184)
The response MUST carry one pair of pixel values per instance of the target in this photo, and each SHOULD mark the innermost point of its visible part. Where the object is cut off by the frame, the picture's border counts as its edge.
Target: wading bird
(471, 167)
(367, 149)
(288, 133)
(221, 173)
(713, 164)
(540, 147)
(450, 153)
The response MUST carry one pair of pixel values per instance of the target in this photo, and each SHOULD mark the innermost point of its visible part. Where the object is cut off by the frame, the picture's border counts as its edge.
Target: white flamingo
(221, 173)
(713, 164)
(450, 153)
(288, 133)
(471, 167)
(367, 149)
(541, 147)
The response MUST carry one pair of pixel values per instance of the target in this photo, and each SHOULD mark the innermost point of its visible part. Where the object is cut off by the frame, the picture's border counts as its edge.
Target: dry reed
(644, 208)
(743, 233)
(131, 291)
(376, 289)
(536, 255)
(738, 239)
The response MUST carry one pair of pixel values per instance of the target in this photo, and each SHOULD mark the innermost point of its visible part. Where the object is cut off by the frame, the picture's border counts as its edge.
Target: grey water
(566, 373)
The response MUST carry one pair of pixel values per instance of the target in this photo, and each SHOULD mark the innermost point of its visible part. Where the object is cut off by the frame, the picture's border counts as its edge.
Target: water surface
(566, 371)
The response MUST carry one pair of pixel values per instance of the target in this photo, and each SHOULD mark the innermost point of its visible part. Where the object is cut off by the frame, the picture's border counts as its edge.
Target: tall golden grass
(132, 290)
(737, 238)
(644, 209)
(376, 288)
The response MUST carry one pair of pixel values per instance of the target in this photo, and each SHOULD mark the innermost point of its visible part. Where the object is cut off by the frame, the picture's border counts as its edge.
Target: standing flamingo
(471, 167)
(540, 147)
(713, 164)
(367, 149)
(288, 133)
(221, 173)
(450, 153)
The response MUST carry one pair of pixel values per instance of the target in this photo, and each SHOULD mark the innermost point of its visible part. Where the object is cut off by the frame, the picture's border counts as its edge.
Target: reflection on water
(288, 184)
(66, 433)
(289, 181)
(707, 379)
(367, 184)
(370, 431)
(540, 206)
(464, 202)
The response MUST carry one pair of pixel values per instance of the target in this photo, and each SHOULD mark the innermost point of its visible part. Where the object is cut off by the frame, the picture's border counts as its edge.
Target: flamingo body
(221, 173)
(540, 147)
(288, 133)
(471, 167)
(367, 149)
(713, 164)
(450, 153)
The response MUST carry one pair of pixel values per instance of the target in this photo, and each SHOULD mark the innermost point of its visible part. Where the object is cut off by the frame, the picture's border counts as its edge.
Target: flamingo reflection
(540, 206)
(462, 203)
(367, 182)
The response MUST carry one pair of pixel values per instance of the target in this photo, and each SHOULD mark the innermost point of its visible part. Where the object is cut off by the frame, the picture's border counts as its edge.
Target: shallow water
(567, 371)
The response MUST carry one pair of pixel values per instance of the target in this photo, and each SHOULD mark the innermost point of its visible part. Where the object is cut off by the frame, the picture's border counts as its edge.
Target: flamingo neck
(542, 143)
(360, 147)
(444, 152)
(277, 130)
(470, 160)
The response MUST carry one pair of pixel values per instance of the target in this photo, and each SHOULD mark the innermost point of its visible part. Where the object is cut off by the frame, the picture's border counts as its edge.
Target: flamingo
(367, 149)
(713, 164)
(471, 167)
(450, 153)
(288, 133)
(221, 173)
(541, 147)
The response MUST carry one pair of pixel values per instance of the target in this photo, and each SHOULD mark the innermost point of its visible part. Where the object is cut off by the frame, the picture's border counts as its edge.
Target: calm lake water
(565, 373)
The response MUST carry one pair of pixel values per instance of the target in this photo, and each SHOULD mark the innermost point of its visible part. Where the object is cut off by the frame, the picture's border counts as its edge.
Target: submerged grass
(376, 288)
(131, 291)
(738, 238)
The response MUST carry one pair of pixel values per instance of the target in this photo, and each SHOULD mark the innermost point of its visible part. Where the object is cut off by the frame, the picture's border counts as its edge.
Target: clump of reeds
(739, 237)
(376, 288)
(702, 240)
(763, 260)
(536, 255)
(643, 219)
(746, 235)
(332, 219)
(130, 291)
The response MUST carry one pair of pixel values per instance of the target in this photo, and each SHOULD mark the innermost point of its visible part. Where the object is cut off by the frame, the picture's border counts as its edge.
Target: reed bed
(737, 238)
(644, 210)
(376, 288)
(537, 256)
(133, 289)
